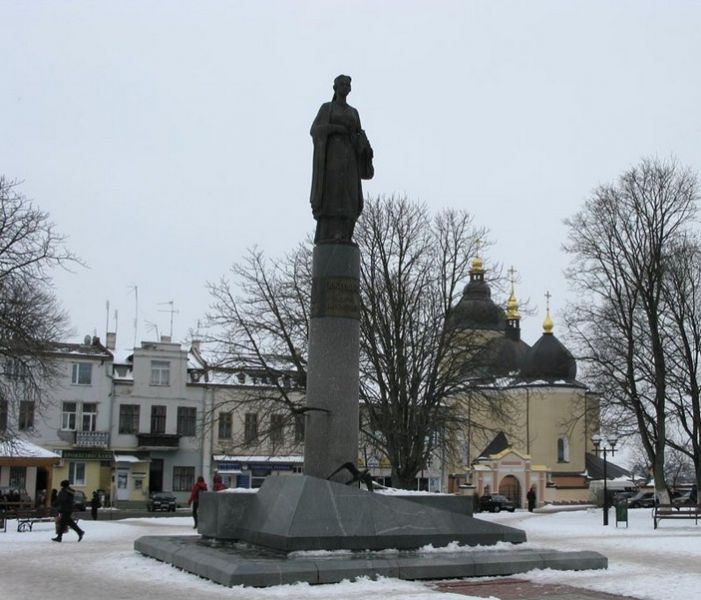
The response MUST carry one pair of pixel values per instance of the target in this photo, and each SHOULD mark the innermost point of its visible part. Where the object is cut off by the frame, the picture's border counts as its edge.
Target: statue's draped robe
(341, 160)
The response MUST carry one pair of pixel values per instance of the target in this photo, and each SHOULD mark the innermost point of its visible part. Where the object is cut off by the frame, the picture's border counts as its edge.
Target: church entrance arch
(511, 488)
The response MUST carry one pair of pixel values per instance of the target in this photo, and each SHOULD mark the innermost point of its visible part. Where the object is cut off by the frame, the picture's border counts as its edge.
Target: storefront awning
(128, 458)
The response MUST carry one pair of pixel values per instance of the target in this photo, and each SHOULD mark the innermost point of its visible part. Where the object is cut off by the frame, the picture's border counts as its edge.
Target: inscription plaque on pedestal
(335, 297)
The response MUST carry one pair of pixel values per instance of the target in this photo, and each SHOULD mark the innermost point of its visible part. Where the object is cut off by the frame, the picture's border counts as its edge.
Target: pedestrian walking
(200, 486)
(64, 507)
(94, 505)
(530, 496)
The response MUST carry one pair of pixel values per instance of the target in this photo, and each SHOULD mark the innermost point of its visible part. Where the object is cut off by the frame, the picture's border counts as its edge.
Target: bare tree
(414, 368)
(417, 372)
(619, 243)
(259, 323)
(30, 317)
(682, 295)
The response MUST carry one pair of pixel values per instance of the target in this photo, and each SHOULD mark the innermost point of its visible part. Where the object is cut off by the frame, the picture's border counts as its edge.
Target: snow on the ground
(105, 565)
(644, 563)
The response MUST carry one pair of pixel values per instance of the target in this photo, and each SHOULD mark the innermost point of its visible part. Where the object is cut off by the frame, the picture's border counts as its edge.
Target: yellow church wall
(554, 413)
(534, 418)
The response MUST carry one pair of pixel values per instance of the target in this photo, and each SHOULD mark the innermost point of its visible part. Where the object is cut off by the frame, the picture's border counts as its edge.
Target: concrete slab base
(243, 564)
(307, 513)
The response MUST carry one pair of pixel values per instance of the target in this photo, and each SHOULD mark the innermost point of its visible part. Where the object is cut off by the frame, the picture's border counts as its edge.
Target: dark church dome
(476, 309)
(549, 359)
(511, 355)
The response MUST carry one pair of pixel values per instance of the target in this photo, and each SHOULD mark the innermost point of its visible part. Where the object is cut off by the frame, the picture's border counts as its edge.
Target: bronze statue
(342, 157)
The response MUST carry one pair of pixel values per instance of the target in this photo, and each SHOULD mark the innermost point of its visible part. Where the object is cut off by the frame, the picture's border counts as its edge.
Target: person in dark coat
(64, 507)
(94, 505)
(530, 496)
(200, 486)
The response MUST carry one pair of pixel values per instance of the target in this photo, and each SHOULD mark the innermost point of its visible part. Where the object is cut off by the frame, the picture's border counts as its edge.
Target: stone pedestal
(331, 425)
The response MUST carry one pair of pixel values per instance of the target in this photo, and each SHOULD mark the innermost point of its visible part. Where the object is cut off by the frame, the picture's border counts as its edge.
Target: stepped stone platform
(242, 564)
(269, 538)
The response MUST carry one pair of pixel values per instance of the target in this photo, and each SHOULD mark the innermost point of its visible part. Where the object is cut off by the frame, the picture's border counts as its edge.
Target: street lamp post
(600, 447)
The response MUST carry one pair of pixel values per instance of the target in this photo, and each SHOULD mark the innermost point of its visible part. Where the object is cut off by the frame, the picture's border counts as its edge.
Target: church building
(535, 429)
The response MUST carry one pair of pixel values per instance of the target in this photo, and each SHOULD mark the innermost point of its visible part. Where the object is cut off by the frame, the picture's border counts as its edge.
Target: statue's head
(342, 83)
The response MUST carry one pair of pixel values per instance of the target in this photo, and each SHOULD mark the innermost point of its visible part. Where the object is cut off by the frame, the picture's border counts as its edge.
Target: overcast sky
(166, 138)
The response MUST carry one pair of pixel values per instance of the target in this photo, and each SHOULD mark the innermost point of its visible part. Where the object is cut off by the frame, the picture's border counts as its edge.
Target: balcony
(158, 441)
(92, 439)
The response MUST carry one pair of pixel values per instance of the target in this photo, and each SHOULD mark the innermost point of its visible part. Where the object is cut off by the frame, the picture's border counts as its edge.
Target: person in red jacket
(200, 486)
(217, 483)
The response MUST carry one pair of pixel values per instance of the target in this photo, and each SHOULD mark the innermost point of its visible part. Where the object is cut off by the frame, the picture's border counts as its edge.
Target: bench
(25, 515)
(676, 511)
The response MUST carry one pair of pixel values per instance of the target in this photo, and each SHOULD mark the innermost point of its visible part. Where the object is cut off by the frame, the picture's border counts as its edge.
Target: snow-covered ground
(643, 563)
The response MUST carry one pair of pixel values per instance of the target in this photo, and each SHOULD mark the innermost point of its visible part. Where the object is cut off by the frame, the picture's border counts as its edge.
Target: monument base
(265, 539)
(299, 512)
(241, 564)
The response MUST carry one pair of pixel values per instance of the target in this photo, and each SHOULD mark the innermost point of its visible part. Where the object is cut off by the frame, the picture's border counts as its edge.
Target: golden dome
(548, 322)
(512, 313)
(477, 265)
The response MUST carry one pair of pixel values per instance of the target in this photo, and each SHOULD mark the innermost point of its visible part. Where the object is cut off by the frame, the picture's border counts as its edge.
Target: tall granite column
(331, 428)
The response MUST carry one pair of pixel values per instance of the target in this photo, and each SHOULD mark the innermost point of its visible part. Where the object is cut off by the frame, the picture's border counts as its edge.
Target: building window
(15, 369)
(3, 415)
(250, 431)
(158, 419)
(76, 473)
(563, 450)
(69, 416)
(18, 477)
(128, 418)
(277, 429)
(183, 478)
(160, 372)
(187, 417)
(299, 429)
(82, 374)
(26, 415)
(89, 416)
(225, 425)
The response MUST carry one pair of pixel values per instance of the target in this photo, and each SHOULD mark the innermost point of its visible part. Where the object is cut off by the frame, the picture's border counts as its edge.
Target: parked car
(496, 503)
(619, 497)
(79, 500)
(642, 500)
(161, 501)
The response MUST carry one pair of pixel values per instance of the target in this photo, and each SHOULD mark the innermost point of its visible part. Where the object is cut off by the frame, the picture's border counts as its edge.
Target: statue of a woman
(342, 157)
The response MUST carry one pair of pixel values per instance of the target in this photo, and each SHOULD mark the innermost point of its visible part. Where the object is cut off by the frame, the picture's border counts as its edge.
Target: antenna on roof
(172, 311)
(135, 289)
(151, 326)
